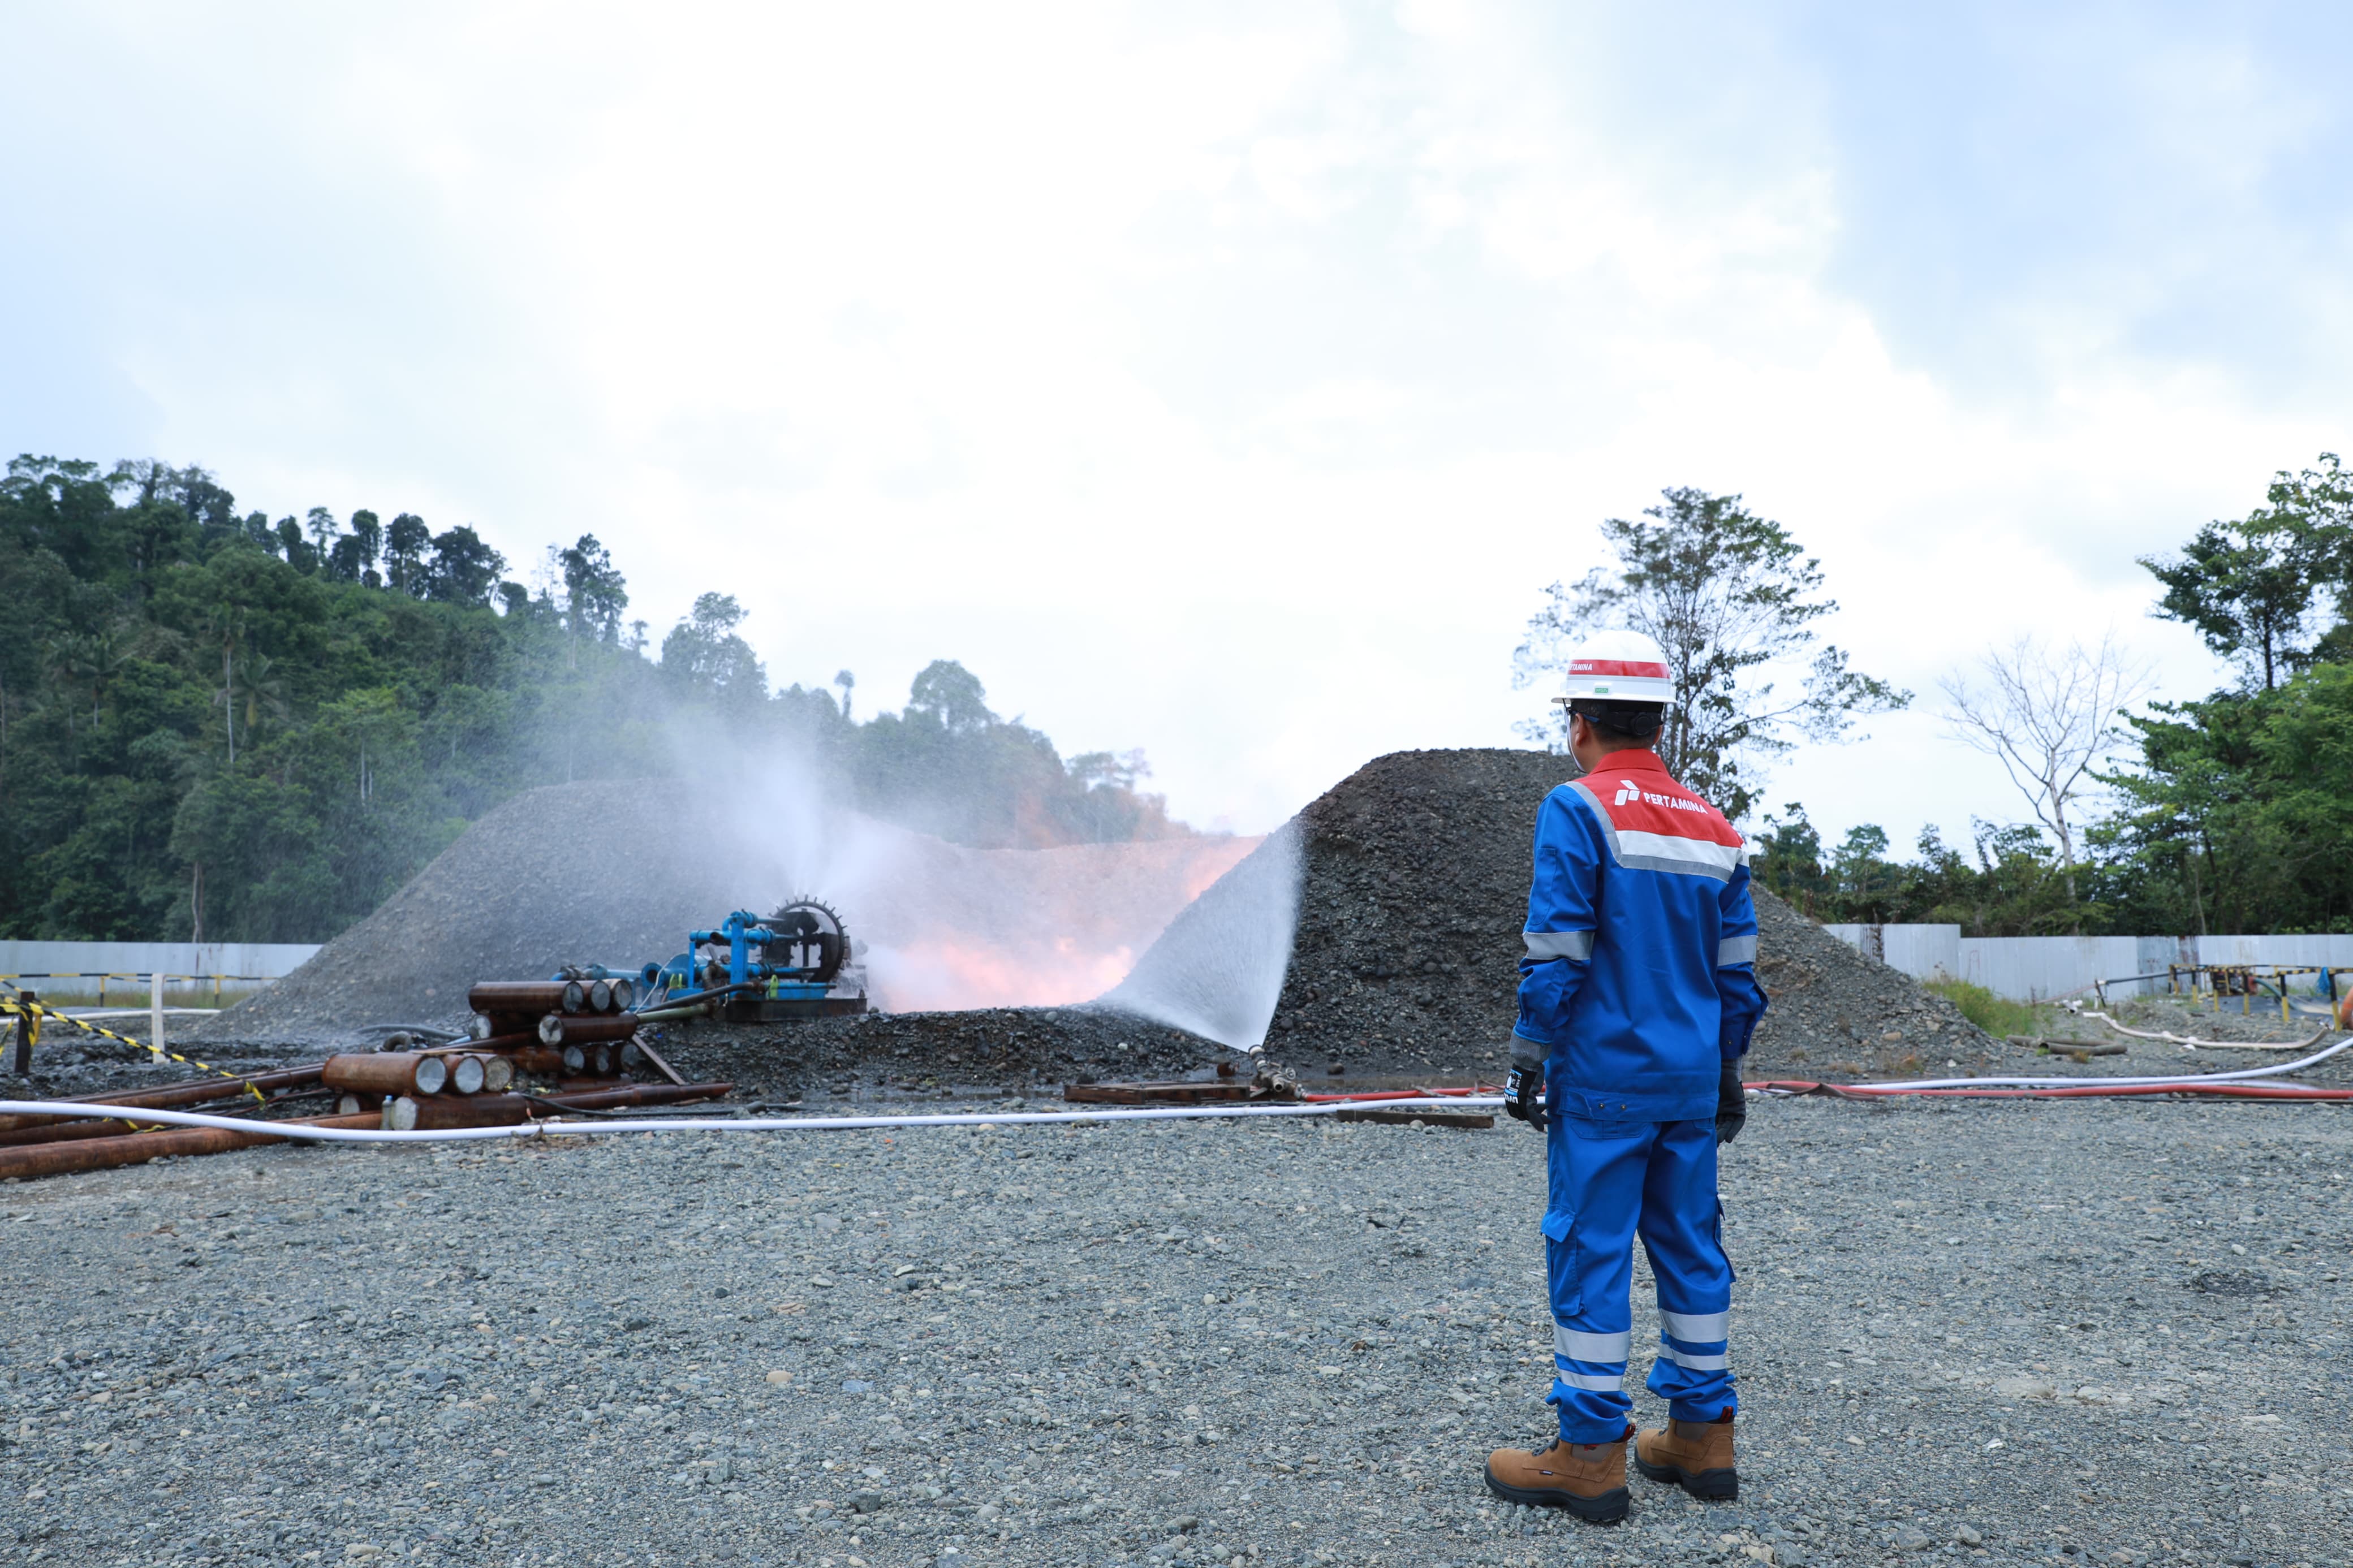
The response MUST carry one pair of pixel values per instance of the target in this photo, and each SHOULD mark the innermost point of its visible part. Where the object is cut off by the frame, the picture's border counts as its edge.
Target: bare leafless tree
(2049, 717)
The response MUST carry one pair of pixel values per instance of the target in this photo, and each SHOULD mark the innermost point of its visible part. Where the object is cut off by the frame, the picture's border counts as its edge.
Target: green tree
(704, 650)
(595, 591)
(463, 569)
(405, 544)
(952, 697)
(2249, 586)
(1733, 599)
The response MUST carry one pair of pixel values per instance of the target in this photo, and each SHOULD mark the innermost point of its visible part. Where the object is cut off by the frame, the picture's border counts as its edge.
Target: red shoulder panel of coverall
(1635, 790)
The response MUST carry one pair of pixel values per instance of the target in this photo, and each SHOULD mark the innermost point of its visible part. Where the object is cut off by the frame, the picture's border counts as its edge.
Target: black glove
(1523, 1097)
(1731, 1104)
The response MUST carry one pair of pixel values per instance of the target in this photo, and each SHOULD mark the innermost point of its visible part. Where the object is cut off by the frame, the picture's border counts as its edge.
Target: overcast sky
(1227, 381)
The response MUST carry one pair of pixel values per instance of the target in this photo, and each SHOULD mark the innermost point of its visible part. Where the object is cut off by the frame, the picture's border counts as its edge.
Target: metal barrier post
(155, 1010)
(28, 1032)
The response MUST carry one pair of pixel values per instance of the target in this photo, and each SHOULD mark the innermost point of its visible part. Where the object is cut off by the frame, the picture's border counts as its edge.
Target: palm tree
(228, 623)
(259, 689)
(84, 662)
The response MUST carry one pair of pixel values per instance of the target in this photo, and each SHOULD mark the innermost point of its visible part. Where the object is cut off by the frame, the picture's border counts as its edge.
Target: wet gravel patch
(2009, 1332)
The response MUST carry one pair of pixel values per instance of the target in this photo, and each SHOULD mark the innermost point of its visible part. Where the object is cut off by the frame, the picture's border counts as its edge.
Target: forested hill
(233, 729)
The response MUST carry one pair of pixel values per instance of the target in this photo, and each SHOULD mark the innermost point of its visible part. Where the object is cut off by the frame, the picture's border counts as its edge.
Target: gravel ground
(932, 1055)
(2004, 1332)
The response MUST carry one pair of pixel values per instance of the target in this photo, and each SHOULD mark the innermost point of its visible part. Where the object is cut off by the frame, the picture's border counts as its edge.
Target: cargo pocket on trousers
(1562, 1280)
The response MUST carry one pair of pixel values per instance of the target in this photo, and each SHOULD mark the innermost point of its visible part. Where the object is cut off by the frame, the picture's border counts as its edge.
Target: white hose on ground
(2186, 1080)
(721, 1124)
(2194, 1044)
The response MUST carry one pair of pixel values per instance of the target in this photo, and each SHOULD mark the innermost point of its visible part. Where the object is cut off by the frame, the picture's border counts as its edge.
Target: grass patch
(1995, 1014)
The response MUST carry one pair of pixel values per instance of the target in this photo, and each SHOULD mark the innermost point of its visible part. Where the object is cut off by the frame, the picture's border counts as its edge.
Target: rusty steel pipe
(537, 1061)
(592, 1061)
(137, 1148)
(556, 1029)
(635, 1094)
(496, 1067)
(63, 1131)
(389, 1072)
(431, 1113)
(518, 1032)
(549, 1063)
(175, 1096)
(528, 996)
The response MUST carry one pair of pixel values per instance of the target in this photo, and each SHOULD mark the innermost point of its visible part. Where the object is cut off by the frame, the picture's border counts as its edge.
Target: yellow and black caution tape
(15, 1005)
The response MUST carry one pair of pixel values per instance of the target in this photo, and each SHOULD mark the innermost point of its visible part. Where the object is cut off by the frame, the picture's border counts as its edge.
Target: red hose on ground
(2225, 1090)
(1372, 1094)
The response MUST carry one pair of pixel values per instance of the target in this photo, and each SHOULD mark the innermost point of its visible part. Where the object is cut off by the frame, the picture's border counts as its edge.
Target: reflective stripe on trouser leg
(1681, 1232)
(1597, 1194)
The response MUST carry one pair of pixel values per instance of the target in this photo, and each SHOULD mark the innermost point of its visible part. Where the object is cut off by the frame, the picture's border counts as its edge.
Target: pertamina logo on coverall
(1628, 792)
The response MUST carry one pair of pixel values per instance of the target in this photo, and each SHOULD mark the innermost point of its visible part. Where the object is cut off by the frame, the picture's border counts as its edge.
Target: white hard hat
(1618, 667)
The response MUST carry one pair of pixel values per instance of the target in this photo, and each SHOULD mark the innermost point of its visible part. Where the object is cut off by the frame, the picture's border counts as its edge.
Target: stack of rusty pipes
(90, 1144)
(558, 1029)
(571, 1035)
(575, 1039)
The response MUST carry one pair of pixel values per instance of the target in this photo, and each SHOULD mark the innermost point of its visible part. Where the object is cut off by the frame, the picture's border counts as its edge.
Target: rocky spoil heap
(1414, 891)
(617, 872)
(1837, 1013)
(1413, 895)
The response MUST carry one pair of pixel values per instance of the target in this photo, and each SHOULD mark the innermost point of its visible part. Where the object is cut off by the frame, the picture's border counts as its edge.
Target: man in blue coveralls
(1637, 993)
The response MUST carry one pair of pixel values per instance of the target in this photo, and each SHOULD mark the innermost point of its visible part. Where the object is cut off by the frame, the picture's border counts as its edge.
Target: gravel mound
(618, 872)
(1288, 1343)
(1413, 894)
(1838, 1014)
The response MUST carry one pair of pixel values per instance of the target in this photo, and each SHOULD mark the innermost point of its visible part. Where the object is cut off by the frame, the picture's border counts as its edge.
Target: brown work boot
(1698, 1454)
(1587, 1478)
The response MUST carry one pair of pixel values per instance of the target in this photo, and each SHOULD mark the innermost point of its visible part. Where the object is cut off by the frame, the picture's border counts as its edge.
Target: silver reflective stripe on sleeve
(1593, 1385)
(1717, 1362)
(1696, 1328)
(1580, 1346)
(1547, 945)
(1736, 950)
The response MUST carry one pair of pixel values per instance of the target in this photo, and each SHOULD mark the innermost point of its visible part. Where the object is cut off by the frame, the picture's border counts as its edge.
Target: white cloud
(1229, 385)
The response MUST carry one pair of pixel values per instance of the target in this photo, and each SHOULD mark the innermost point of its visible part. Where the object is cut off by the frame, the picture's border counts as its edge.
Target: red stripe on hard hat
(1615, 667)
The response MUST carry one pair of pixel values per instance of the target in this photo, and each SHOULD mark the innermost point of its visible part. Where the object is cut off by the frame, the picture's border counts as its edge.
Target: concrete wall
(2028, 968)
(255, 962)
(2031, 968)
(1919, 950)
